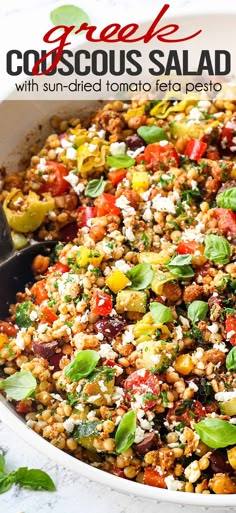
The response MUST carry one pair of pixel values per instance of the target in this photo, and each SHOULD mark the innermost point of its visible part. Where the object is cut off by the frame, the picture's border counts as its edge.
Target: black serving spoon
(16, 266)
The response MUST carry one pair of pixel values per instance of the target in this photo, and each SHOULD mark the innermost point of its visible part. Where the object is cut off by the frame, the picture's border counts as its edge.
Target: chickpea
(221, 483)
(130, 472)
(71, 444)
(62, 218)
(40, 264)
(97, 232)
(136, 122)
(181, 144)
(52, 155)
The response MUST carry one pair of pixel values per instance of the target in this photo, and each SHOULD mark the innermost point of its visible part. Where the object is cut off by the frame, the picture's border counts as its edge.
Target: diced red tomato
(185, 413)
(68, 232)
(161, 155)
(117, 176)
(226, 220)
(106, 205)
(58, 267)
(228, 134)
(145, 385)
(230, 327)
(109, 363)
(140, 158)
(187, 247)
(56, 184)
(48, 315)
(153, 478)
(195, 149)
(8, 329)
(39, 291)
(118, 472)
(101, 303)
(24, 406)
(85, 214)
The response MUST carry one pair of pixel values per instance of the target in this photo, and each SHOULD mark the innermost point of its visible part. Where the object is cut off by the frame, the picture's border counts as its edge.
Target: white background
(74, 494)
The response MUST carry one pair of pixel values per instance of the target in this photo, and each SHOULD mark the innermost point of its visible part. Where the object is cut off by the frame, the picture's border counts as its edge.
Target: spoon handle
(6, 243)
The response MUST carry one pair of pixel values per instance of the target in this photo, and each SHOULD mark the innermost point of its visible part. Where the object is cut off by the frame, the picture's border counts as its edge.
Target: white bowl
(24, 123)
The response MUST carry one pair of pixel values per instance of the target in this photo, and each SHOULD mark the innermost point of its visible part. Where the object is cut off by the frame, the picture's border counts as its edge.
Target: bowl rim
(59, 457)
(111, 482)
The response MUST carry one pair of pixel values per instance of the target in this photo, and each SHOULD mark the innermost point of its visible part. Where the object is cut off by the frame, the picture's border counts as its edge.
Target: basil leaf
(186, 271)
(83, 364)
(95, 188)
(20, 385)
(2, 463)
(231, 360)
(34, 479)
(6, 482)
(22, 315)
(86, 430)
(152, 134)
(141, 276)
(180, 260)
(120, 161)
(197, 311)
(68, 15)
(161, 313)
(217, 249)
(216, 433)
(125, 433)
(227, 199)
(179, 265)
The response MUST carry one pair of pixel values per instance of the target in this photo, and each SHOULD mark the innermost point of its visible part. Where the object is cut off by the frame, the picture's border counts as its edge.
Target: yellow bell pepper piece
(140, 181)
(86, 256)
(150, 257)
(184, 364)
(31, 218)
(159, 280)
(3, 339)
(117, 281)
(131, 113)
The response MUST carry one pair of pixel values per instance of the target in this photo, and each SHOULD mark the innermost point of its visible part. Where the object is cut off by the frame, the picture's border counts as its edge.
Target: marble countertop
(74, 493)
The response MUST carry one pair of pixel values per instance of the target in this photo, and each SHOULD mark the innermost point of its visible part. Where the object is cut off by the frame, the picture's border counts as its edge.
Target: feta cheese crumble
(69, 425)
(225, 396)
(139, 435)
(107, 352)
(117, 148)
(162, 204)
(123, 203)
(122, 266)
(172, 484)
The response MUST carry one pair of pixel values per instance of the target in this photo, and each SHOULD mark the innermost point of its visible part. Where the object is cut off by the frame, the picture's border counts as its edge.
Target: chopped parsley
(164, 398)
(23, 315)
(191, 195)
